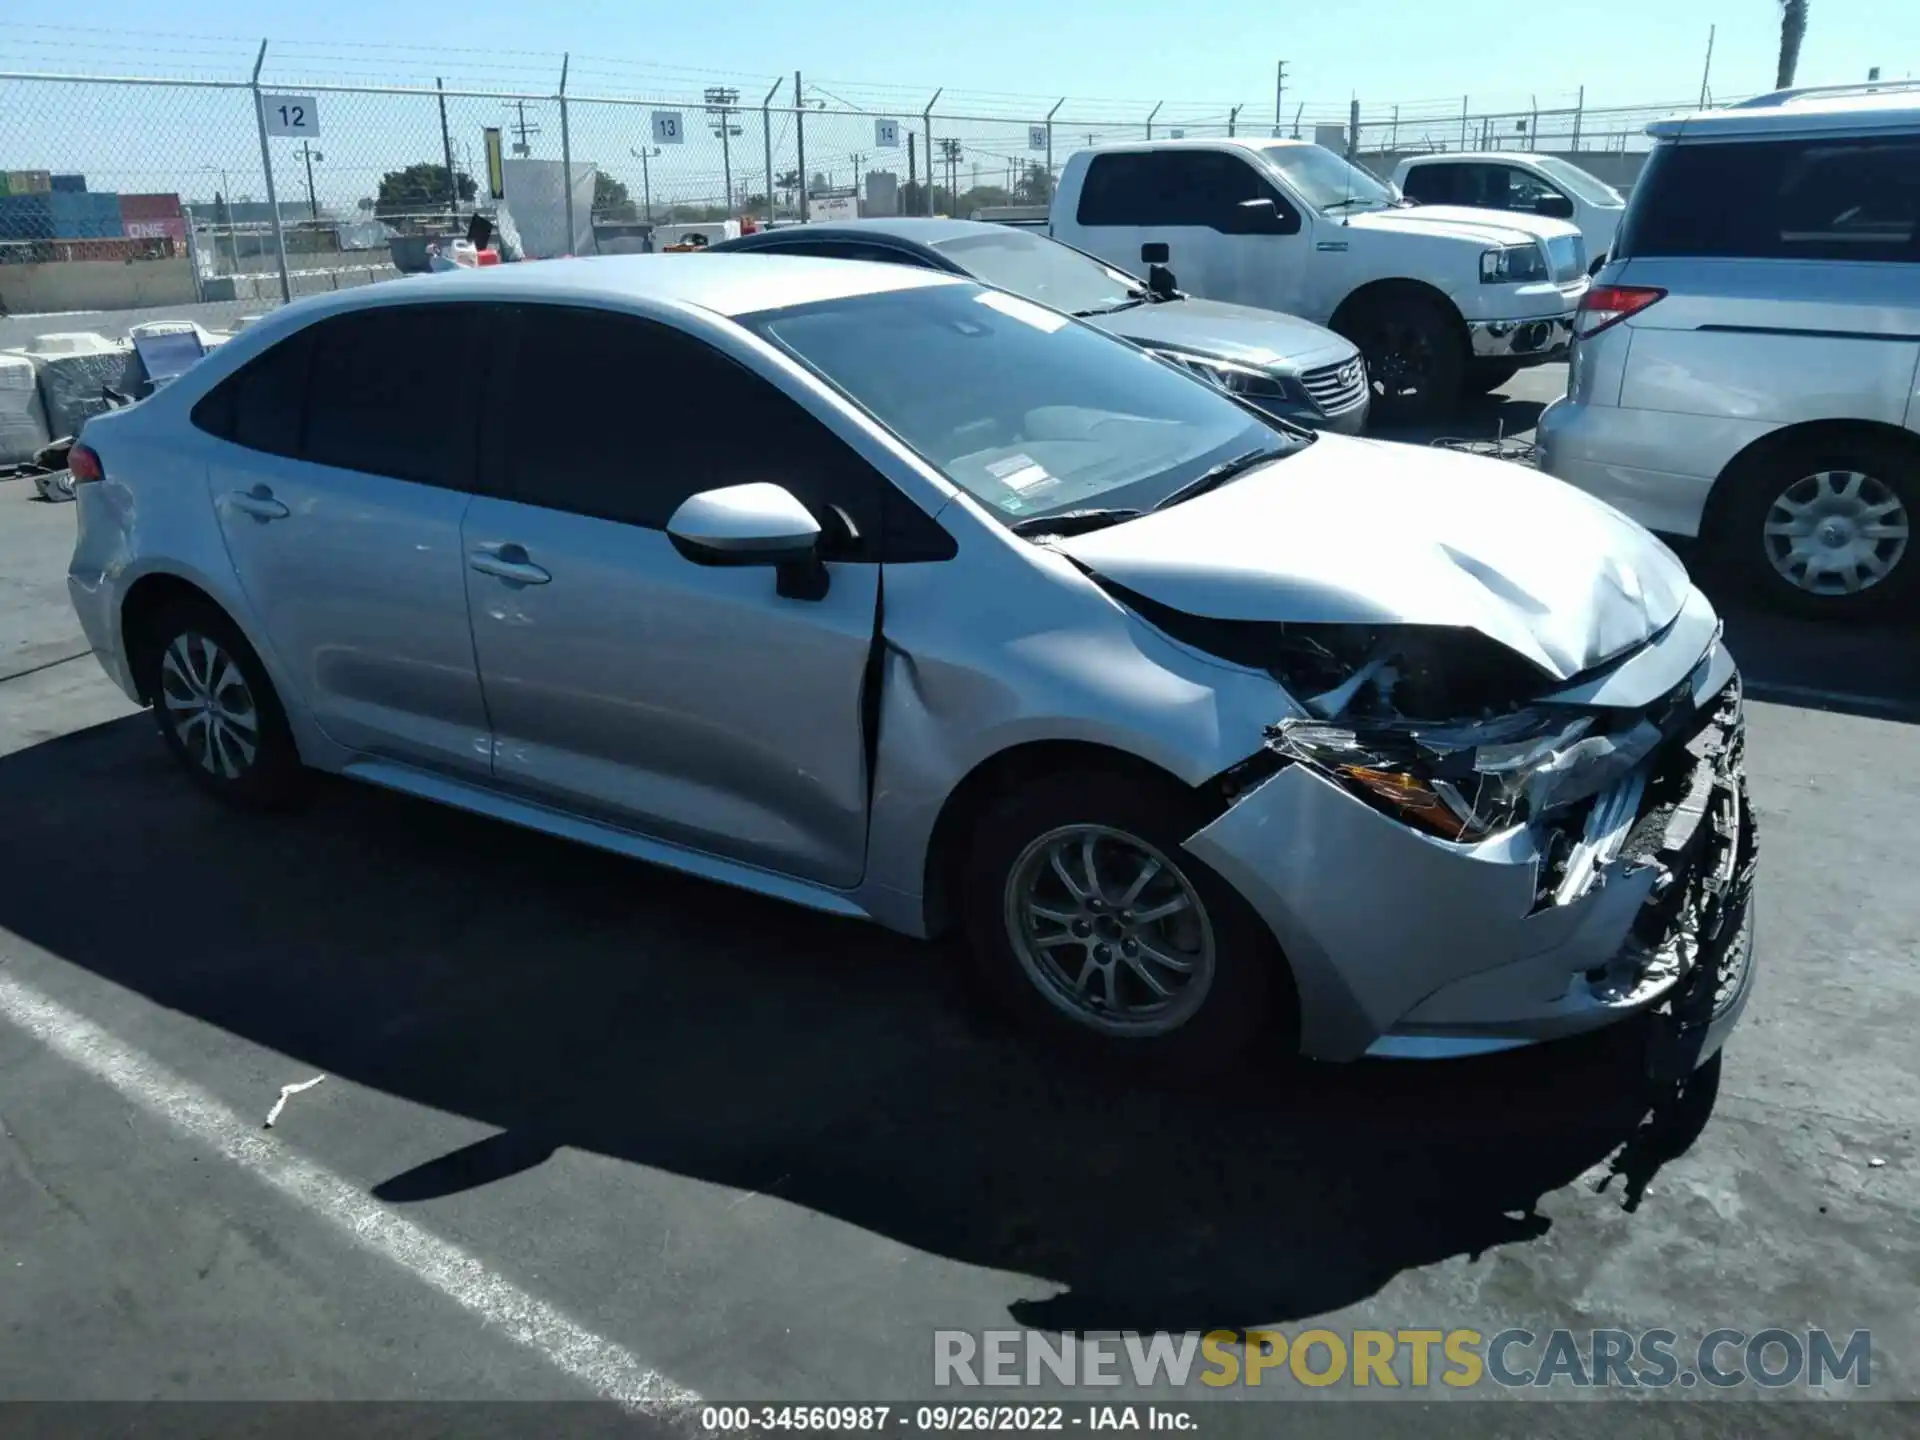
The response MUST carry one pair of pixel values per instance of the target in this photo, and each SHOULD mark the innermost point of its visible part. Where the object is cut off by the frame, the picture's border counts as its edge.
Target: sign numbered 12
(295, 115)
(667, 129)
(886, 134)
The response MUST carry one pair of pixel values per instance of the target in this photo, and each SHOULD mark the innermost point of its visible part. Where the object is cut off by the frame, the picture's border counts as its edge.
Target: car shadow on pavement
(571, 998)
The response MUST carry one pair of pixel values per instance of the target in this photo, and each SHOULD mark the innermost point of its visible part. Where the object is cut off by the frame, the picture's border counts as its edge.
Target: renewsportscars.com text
(1414, 1358)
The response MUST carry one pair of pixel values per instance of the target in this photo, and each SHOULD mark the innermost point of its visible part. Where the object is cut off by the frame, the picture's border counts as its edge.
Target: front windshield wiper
(1219, 475)
(1073, 522)
(1349, 200)
(1134, 297)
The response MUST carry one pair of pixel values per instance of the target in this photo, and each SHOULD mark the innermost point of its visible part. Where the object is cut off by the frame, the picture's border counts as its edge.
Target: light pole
(646, 178)
(224, 202)
(309, 154)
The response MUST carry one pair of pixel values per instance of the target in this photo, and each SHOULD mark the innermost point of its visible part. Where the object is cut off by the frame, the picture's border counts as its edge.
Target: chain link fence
(235, 195)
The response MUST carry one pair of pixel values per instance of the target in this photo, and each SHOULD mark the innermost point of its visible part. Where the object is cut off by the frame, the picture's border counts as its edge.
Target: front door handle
(507, 562)
(257, 502)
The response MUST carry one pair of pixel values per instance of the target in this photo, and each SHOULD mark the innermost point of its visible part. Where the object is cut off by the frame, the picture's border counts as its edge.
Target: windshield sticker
(1019, 472)
(1025, 311)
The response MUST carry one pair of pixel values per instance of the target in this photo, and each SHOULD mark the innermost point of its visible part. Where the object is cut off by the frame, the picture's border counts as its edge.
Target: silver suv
(1744, 368)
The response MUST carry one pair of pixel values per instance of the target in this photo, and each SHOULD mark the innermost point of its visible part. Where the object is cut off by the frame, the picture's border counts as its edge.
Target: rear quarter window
(1803, 198)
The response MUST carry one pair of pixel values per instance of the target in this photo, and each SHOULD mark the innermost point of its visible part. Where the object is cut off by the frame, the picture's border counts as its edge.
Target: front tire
(1088, 921)
(1486, 376)
(1825, 528)
(216, 708)
(1416, 356)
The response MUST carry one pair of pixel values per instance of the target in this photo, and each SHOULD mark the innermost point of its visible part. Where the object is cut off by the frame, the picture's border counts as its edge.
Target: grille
(1337, 387)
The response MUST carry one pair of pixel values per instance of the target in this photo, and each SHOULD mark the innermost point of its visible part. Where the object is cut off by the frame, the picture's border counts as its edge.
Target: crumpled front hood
(1462, 222)
(1265, 338)
(1373, 533)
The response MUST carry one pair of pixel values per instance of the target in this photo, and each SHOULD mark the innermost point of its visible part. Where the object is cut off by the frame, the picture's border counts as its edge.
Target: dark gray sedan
(1283, 364)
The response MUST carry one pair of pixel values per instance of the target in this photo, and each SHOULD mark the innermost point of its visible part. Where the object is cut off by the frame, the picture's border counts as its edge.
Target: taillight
(1605, 305)
(84, 466)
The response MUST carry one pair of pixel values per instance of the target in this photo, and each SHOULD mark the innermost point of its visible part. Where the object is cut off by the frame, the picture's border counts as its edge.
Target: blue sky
(1386, 51)
(995, 58)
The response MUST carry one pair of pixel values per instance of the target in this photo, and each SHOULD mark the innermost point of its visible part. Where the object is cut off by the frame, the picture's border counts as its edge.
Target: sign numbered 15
(667, 129)
(295, 115)
(1036, 137)
(886, 134)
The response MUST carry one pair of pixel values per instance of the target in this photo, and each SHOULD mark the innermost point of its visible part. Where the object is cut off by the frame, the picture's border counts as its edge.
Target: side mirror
(1554, 207)
(758, 524)
(1155, 252)
(1160, 282)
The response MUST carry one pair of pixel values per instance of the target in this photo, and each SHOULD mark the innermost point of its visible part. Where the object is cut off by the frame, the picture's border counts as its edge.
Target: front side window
(622, 418)
(1029, 411)
(1433, 184)
(1577, 182)
(1839, 198)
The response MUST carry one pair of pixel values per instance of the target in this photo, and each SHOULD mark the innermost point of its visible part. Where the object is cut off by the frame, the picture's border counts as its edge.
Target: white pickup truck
(1441, 300)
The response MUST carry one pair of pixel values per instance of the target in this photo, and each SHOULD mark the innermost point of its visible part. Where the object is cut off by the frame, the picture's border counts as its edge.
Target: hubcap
(209, 706)
(1399, 360)
(1109, 930)
(1837, 532)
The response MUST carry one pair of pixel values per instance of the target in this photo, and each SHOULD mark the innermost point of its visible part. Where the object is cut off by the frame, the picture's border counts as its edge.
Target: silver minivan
(1744, 367)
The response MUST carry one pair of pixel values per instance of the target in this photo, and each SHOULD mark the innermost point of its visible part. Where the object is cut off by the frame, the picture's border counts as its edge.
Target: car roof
(725, 284)
(1837, 108)
(1442, 157)
(922, 229)
(1200, 142)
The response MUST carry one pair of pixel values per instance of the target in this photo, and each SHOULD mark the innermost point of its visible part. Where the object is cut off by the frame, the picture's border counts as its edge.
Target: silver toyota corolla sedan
(902, 598)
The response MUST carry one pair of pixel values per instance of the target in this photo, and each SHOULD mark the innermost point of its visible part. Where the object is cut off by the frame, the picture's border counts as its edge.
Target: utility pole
(309, 154)
(1279, 90)
(859, 160)
(521, 129)
(646, 178)
(722, 100)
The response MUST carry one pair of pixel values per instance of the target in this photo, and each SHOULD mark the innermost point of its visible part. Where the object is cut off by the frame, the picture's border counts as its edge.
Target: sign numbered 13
(667, 129)
(295, 115)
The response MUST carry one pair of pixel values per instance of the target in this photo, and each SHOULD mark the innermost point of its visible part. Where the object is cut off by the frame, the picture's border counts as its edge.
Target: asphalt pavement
(592, 1129)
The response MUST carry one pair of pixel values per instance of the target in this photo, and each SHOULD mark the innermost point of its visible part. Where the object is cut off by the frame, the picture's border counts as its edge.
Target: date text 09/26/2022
(996, 1419)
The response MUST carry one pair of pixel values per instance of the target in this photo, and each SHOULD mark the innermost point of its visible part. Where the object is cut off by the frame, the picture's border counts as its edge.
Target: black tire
(1416, 356)
(254, 766)
(1806, 476)
(1247, 975)
(1485, 376)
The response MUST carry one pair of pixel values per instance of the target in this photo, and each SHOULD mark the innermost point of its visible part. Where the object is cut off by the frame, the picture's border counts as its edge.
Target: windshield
(1043, 270)
(1026, 410)
(1589, 188)
(1324, 180)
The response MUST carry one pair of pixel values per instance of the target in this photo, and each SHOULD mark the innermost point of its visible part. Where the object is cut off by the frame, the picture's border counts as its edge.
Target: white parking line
(1767, 693)
(605, 1367)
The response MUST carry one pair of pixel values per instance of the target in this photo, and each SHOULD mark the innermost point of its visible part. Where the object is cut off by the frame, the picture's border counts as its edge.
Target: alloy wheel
(1109, 930)
(209, 706)
(1836, 532)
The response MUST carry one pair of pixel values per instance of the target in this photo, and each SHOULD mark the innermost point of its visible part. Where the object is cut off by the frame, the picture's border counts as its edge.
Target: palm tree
(1793, 29)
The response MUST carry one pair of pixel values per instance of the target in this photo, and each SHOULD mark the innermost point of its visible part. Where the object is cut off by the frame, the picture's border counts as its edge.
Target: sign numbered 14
(886, 134)
(294, 115)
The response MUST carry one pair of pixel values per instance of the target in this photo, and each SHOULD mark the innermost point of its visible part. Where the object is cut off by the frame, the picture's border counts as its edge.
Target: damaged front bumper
(1405, 944)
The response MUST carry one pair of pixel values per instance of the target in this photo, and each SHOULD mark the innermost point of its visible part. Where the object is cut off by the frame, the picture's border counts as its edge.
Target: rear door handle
(507, 562)
(257, 502)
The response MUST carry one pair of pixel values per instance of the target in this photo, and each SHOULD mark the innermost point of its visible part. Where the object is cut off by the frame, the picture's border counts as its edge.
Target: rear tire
(1173, 970)
(1416, 356)
(216, 708)
(1825, 528)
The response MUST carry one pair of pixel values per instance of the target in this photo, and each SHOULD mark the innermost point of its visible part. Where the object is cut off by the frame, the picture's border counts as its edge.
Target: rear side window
(1197, 188)
(1840, 198)
(393, 393)
(260, 405)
